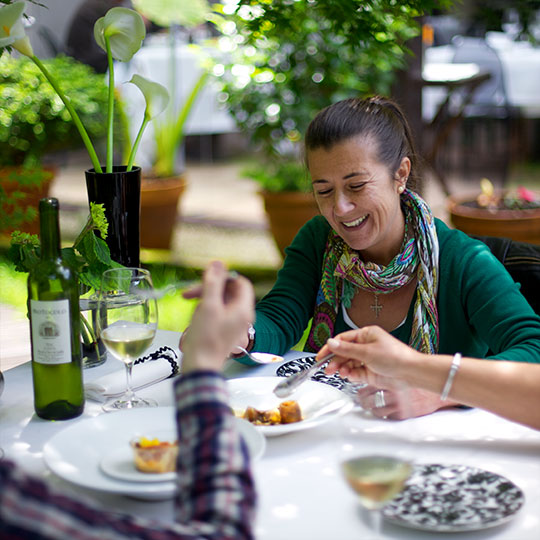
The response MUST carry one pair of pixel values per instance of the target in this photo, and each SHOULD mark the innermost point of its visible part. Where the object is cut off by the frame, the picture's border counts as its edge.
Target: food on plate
(288, 412)
(154, 456)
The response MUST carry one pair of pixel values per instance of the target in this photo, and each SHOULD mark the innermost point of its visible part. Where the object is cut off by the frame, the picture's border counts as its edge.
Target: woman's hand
(371, 347)
(401, 402)
(373, 356)
(225, 311)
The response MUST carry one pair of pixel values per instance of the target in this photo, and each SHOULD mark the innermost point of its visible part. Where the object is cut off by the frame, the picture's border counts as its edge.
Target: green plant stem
(72, 112)
(110, 110)
(87, 227)
(131, 158)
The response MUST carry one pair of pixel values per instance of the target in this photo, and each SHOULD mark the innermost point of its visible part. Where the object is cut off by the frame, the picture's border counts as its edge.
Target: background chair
(522, 261)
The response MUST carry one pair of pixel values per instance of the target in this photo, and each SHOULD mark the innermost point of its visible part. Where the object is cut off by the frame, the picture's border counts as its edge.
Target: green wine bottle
(53, 307)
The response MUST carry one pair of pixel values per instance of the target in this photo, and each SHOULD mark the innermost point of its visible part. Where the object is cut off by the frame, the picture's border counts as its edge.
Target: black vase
(120, 193)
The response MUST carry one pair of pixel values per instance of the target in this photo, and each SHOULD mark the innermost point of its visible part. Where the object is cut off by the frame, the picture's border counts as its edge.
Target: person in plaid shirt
(216, 496)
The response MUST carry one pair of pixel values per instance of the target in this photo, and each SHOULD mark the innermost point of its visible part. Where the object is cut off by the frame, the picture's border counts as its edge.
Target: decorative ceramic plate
(318, 402)
(76, 453)
(454, 498)
(300, 364)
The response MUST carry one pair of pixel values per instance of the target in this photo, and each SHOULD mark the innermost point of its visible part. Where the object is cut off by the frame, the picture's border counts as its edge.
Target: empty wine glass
(129, 325)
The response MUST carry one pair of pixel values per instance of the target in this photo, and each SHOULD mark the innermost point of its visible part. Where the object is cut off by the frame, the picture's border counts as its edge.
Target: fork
(290, 384)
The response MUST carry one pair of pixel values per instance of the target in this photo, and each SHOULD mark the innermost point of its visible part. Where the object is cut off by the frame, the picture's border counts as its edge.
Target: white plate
(119, 464)
(454, 498)
(75, 453)
(266, 358)
(318, 402)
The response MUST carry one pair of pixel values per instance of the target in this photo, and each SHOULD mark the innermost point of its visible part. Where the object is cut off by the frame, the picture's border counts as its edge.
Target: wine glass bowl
(128, 325)
(376, 479)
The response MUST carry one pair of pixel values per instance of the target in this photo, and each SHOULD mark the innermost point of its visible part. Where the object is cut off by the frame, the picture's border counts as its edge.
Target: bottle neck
(49, 229)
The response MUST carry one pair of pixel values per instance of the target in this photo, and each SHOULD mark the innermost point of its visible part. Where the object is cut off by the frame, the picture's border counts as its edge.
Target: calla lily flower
(157, 98)
(11, 26)
(155, 95)
(125, 30)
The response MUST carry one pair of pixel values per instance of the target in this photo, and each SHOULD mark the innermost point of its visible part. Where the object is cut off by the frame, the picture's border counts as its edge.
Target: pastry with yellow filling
(154, 456)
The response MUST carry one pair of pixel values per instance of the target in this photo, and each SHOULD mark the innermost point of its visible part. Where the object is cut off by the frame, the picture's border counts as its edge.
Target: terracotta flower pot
(30, 196)
(287, 211)
(519, 225)
(159, 210)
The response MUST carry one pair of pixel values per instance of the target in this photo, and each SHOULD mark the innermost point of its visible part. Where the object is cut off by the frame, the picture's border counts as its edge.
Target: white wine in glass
(376, 479)
(129, 326)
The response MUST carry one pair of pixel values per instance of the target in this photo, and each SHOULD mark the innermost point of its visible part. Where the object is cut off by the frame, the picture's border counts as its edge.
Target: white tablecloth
(521, 70)
(301, 492)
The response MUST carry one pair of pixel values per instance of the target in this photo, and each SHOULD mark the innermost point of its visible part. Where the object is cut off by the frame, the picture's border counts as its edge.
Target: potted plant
(120, 33)
(115, 190)
(164, 184)
(289, 60)
(33, 123)
(508, 213)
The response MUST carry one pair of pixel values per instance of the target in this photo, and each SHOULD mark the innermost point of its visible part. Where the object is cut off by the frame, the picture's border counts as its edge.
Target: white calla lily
(11, 25)
(125, 30)
(24, 47)
(155, 95)
(157, 99)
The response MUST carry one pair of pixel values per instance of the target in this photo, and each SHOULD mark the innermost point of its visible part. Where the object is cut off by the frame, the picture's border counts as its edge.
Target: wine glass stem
(376, 522)
(129, 391)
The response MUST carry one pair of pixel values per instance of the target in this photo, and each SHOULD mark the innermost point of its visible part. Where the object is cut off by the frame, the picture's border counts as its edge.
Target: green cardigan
(481, 311)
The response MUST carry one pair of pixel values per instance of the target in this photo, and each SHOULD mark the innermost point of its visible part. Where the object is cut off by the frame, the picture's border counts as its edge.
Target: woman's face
(360, 196)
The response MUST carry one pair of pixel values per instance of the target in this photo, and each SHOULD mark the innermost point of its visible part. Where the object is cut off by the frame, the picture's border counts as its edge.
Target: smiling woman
(377, 256)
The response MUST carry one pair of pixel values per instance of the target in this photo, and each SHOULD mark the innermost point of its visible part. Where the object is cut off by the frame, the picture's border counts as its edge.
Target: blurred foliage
(33, 119)
(287, 175)
(289, 59)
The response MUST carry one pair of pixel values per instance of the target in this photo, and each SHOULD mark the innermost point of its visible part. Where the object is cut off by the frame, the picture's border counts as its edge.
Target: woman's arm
(509, 389)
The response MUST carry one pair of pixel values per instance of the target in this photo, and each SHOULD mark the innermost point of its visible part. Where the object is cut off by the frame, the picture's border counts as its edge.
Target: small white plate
(266, 358)
(119, 464)
(75, 453)
(318, 402)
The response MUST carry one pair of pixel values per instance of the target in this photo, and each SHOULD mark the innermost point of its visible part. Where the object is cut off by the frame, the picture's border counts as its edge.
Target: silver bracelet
(451, 374)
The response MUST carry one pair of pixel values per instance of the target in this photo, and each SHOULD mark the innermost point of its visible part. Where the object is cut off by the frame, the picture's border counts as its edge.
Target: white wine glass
(374, 458)
(128, 325)
(376, 479)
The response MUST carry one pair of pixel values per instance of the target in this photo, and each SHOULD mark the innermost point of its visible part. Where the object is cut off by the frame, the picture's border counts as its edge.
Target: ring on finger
(379, 399)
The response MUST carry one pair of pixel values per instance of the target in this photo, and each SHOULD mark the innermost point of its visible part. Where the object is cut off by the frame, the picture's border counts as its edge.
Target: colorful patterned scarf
(344, 271)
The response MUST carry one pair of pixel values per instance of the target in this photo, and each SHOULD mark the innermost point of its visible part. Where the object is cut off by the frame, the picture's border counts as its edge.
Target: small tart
(154, 456)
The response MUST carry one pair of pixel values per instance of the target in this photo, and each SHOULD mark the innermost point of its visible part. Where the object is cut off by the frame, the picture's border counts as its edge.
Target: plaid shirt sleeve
(216, 497)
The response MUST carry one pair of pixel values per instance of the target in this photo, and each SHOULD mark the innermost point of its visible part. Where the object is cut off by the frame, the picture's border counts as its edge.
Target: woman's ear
(402, 174)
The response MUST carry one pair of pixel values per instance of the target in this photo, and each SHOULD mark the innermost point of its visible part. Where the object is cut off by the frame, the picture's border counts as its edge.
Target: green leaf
(125, 30)
(155, 95)
(187, 13)
(11, 26)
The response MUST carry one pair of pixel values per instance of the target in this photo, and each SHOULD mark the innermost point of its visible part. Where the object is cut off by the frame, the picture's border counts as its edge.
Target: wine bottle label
(51, 331)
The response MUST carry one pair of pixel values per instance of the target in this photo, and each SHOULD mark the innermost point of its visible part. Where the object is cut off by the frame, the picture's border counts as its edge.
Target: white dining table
(521, 71)
(302, 494)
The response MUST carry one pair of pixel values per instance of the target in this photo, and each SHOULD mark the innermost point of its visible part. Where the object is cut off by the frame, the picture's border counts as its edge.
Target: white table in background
(301, 492)
(521, 71)
(153, 62)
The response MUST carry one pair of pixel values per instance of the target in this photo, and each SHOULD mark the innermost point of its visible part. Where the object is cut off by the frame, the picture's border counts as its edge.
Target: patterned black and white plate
(454, 498)
(299, 364)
